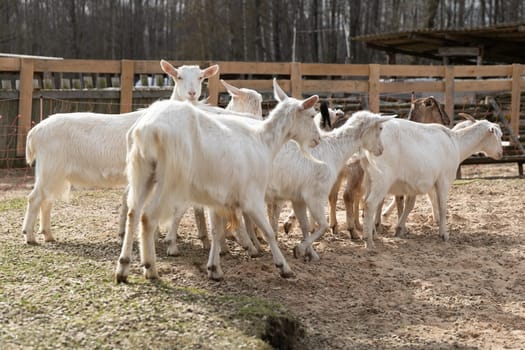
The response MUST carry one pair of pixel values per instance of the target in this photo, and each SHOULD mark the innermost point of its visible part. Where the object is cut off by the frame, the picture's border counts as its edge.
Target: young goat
(179, 152)
(88, 149)
(429, 155)
(327, 119)
(312, 182)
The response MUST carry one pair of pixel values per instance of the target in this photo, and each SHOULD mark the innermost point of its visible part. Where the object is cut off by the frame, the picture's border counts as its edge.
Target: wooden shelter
(498, 44)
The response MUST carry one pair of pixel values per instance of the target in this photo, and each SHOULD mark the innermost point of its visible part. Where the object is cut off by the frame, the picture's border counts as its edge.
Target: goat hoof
(298, 252)
(119, 278)
(150, 274)
(206, 245)
(312, 255)
(255, 254)
(400, 232)
(30, 239)
(369, 244)
(307, 257)
(215, 273)
(48, 237)
(353, 235)
(287, 274)
(215, 278)
(172, 251)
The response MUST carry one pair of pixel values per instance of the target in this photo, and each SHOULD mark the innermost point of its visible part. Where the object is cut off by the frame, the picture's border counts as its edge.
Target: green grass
(55, 299)
(13, 204)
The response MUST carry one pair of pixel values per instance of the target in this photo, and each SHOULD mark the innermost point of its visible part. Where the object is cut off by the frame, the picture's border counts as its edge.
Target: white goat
(421, 158)
(422, 110)
(185, 155)
(312, 181)
(245, 103)
(326, 120)
(403, 210)
(88, 149)
(244, 100)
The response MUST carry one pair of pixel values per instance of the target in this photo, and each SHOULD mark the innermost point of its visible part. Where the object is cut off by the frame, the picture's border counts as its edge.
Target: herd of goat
(242, 168)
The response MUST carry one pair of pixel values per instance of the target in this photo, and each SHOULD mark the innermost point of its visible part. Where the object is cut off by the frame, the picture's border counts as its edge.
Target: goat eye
(179, 78)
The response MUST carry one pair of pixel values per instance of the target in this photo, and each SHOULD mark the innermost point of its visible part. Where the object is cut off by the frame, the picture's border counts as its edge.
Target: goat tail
(30, 149)
(147, 144)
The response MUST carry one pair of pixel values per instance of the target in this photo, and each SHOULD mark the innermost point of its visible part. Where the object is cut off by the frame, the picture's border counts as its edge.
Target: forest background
(235, 30)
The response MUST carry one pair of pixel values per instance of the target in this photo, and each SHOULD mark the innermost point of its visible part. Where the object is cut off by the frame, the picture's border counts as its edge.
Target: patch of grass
(52, 299)
(460, 182)
(13, 204)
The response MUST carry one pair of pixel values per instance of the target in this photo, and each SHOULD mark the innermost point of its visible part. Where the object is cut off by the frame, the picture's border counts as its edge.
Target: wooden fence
(371, 81)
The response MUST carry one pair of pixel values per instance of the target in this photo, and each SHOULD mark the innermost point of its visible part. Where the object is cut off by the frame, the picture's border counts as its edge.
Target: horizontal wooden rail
(298, 79)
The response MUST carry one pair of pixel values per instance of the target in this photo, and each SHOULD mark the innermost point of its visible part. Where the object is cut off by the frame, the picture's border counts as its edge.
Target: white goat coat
(200, 165)
(67, 161)
(422, 158)
(316, 178)
(307, 183)
(417, 155)
(183, 155)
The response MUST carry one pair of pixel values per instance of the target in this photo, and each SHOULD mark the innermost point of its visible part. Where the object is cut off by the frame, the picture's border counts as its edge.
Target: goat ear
(467, 116)
(210, 71)
(493, 130)
(278, 93)
(232, 90)
(168, 68)
(385, 118)
(310, 102)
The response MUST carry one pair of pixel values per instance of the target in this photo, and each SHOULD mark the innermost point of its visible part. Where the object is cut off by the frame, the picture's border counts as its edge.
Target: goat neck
(276, 129)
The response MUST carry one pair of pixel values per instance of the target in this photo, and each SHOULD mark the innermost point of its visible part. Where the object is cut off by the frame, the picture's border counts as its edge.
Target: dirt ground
(416, 292)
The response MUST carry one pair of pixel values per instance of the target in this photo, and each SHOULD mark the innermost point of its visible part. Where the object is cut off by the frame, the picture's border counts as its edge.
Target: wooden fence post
(25, 104)
(373, 87)
(127, 70)
(296, 87)
(449, 92)
(515, 99)
(213, 89)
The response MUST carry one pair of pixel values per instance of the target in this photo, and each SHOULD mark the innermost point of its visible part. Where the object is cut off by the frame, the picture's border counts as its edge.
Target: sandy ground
(416, 292)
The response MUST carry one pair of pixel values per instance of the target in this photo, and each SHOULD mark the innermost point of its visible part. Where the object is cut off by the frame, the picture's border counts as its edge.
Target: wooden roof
(504, 43)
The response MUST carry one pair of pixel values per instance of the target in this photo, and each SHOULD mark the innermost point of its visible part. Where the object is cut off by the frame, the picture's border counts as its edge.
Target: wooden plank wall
(298, 79)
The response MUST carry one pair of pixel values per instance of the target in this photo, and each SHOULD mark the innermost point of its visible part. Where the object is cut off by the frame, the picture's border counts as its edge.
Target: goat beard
(306, 153)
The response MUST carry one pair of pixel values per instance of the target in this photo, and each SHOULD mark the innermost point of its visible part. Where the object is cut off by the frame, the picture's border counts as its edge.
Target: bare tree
(315, 30)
